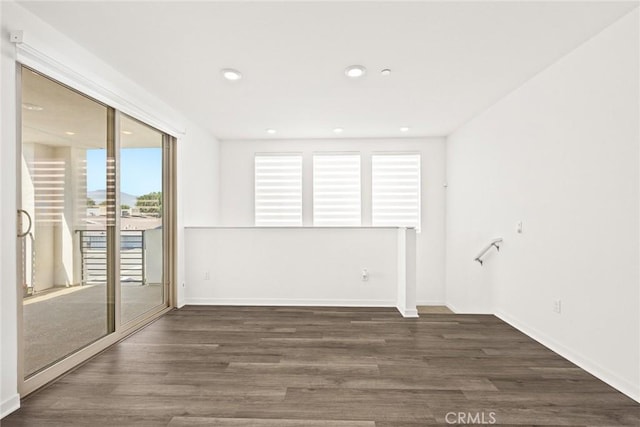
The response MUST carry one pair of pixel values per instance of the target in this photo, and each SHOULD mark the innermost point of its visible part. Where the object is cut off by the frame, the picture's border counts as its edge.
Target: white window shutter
(336, 190)
(278, 190)
(396, 190)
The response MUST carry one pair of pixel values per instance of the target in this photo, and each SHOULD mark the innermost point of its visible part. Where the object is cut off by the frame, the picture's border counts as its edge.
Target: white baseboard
(9, 405)
(289, 302)
(408, 312)
(621, 384)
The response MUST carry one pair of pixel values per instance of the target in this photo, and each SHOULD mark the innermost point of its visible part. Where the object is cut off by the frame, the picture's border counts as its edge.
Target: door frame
(50, 373)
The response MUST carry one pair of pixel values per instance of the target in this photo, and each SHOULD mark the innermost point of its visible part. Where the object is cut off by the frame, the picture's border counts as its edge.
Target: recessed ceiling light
(338, 130)
(271, 131)
(385, 72)
(231, 74)
(70, 133)
(404, 129)
(127, 132)
(32, 107)
(355, 71)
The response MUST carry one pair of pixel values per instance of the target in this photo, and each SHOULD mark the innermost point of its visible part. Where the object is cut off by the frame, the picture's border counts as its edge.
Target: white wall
(299, 266)
(66, 60)
(5, 397)
(198, 184)
(237, 192)
(9, 399)
(561, 154)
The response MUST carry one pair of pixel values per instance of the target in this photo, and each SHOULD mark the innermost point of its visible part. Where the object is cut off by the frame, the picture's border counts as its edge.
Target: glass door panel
(142, 248)
(63, 209)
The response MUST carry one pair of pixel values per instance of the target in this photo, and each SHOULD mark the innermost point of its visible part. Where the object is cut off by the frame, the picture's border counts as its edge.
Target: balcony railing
(93, 250)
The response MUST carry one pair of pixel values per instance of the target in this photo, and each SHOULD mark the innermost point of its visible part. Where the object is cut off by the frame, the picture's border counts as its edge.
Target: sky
(140, 170)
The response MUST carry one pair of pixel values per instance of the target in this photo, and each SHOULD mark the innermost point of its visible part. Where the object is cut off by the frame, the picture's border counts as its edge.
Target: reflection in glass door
(64, 211)
(95, 227)
(141, 219)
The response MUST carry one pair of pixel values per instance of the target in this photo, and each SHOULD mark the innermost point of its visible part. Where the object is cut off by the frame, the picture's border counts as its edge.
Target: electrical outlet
(557, 306)
(206, 275)
(519, 227)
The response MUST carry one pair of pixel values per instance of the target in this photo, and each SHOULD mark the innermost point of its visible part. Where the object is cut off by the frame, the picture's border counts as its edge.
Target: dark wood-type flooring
(344, 367)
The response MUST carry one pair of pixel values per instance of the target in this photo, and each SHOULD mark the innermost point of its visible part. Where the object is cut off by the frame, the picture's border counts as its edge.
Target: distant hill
(101, 195)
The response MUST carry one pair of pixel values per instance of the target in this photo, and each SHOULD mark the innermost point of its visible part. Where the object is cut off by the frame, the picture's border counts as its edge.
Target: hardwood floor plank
(259, 422)
(318, 367)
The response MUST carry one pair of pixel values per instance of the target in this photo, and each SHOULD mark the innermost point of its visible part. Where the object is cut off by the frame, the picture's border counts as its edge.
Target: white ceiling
(449, 60)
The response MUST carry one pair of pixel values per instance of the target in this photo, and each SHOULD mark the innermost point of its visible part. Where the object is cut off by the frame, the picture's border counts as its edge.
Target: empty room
(319, 213)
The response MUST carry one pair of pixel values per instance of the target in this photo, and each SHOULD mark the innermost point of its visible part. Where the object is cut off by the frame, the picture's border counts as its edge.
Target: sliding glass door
(94, 231)
(64, 141)
(141, 219)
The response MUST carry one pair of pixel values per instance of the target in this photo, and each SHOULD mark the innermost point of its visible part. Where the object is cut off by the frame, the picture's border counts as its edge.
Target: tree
(90, 202)
(125, 207)
(150, 204)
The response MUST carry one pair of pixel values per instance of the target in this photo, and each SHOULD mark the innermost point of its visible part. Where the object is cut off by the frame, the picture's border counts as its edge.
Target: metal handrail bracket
(495, 243)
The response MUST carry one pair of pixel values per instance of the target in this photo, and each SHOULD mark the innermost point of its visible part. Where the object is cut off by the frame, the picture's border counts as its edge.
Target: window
(336, 190)
(396, 190)
(278, 190)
